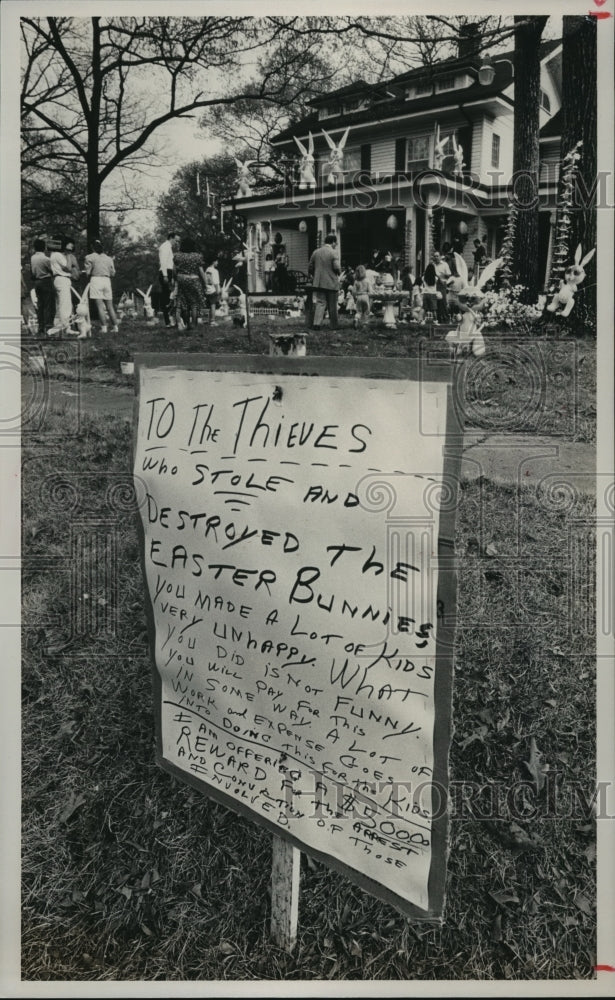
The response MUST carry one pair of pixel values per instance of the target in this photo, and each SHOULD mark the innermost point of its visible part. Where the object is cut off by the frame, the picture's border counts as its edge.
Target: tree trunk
(93, 207)
(579, 118)
(526, 161)
(94, 184)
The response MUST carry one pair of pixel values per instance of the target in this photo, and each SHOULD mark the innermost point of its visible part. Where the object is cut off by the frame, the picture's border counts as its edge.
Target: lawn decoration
(467, 337)
(333, 168)
(234, 301)
(438, 156)
(307, 177)
(82, 313)
(458, 154)
(148, 309)
(390, 296)
(562, 302)
(244, 178)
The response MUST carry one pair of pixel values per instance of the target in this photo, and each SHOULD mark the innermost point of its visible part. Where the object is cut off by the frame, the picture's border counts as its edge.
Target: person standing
(42, 275)
(191, 282)
(99, 268)
(430, 293)
(360, 293)
(443, 273)
(479, 253)
(166, 275)
(324, 269)
(73, 263)
(280, 284)
(212, 289)
(62, 273)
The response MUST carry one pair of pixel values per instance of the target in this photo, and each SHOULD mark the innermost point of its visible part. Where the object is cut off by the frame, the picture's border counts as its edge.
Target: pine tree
(562, 251)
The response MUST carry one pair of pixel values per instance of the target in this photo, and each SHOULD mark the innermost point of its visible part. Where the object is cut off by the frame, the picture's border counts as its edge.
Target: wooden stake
(284, 894)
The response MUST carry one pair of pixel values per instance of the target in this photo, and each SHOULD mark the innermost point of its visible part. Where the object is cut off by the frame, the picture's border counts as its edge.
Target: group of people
(58, 282)
(189, 288)
(337, 288)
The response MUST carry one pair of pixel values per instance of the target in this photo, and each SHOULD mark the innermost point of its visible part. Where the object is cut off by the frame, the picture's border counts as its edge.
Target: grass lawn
(540, 386)
(128, 874)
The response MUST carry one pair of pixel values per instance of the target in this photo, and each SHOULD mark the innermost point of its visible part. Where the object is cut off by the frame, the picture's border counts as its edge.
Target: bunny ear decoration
(148, 291)
(489, 272)
(588, 257)
(578, 254)
(300, 145)
(75, 293)
(342, 141)
(329, 140)
(462, 268)
(310, 144)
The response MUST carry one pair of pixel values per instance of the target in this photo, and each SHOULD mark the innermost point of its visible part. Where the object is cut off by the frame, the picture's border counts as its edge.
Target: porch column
(337, 233)
(552, 220)
(428, 235)
(409, 237)
(320, 230)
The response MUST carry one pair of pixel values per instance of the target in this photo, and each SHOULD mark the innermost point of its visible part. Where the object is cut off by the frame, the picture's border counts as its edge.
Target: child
(360, 294)
(430, 294)
(269, 268)
(417, 311)
(350, 303)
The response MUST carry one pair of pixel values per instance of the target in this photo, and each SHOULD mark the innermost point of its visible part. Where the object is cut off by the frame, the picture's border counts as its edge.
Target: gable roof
(398, 106)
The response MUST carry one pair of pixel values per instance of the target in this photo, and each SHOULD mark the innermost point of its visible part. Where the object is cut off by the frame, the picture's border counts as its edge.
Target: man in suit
(324, 270)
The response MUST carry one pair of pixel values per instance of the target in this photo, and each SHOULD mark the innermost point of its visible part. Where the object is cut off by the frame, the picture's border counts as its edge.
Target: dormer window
(423, 88)
(355, 104)
(446, 83)
(330, 111)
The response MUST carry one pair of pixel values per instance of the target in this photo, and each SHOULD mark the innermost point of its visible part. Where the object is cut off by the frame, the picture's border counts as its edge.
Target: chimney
(469, 40)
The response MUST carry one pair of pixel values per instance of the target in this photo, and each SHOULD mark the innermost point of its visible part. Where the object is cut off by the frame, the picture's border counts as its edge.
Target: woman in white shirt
(61, 271)
(100, 268)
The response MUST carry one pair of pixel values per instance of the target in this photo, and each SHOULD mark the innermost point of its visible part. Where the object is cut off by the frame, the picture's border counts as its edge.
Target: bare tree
(96, 90)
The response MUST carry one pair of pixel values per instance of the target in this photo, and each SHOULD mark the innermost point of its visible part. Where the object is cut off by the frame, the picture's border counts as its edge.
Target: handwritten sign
(292, 538)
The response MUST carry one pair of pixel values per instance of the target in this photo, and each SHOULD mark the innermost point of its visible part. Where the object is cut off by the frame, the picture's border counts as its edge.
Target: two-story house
(428, 159)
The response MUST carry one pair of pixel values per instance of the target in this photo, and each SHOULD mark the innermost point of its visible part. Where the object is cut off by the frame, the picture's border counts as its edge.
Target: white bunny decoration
(82, 313)
(307, 178)
(458, 154)
(468, 337)
(147, 304)
(333, 168)
(238, 312)
(563, 300)
(244, 178)
(438, 156)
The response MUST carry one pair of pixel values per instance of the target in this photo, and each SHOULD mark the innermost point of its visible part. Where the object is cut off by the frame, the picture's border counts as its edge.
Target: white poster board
(291, 537)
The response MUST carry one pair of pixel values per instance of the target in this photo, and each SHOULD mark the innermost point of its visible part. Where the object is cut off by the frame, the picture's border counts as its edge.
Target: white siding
(502, 126)
(383, 156)
(297, 249)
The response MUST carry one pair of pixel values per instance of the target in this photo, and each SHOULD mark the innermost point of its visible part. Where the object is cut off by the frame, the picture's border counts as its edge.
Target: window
(545, 103)
(495, 150)
(330, 112)
(355, 104)
(421, 89)
(352, 160)
(446, 82)
(418, 152)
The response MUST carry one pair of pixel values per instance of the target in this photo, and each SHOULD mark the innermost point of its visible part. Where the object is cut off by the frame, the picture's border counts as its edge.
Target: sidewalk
(528, 459)
(511, 459)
